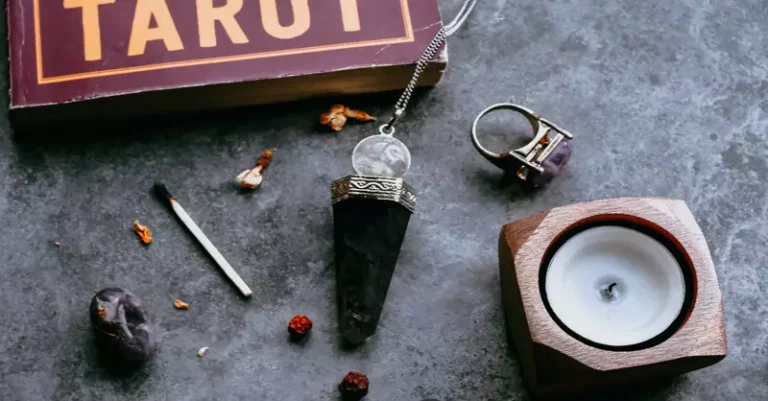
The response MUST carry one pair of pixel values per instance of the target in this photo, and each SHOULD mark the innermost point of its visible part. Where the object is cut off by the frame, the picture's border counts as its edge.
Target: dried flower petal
(337, 122)
(334, 118)
(201, 352)
(265, 158)
(179, 304)
(251, 179)
(143, 232)
(337, 116)
(335, 110)
(358, 115)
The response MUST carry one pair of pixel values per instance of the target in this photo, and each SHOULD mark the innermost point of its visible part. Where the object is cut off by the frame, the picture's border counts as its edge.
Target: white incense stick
(163, 193)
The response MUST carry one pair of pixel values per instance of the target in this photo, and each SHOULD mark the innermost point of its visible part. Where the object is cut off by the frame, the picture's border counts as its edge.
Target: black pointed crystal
(369, 227)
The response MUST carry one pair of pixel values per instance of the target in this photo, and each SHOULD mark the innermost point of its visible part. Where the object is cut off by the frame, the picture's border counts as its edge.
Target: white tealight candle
(615, 286)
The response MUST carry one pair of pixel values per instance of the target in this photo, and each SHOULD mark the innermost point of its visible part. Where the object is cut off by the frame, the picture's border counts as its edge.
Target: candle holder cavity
(602, 294)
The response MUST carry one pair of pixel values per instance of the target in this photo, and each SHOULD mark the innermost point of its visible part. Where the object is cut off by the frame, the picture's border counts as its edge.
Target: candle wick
(610, 288)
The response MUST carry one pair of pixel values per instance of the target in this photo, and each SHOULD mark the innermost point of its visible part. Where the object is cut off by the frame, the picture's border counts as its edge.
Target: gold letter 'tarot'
(207, 15)
(350, 14)
(91, 26)
(141, 33)
(271, 20)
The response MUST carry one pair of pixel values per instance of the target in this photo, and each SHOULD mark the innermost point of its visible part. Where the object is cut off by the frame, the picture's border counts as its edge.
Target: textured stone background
(667, 98)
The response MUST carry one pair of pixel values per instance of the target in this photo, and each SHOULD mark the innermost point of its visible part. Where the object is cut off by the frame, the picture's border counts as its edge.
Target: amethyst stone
(553, 165)
(121, 328)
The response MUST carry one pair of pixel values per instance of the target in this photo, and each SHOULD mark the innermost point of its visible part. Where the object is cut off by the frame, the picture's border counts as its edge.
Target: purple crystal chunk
(554, 164)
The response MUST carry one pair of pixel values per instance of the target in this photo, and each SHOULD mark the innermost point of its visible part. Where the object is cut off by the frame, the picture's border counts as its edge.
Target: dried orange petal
(336, 117)
(334, 111)
(179, 304)
(265, 158)
(358, 115)
(251, 178)
(143, 232)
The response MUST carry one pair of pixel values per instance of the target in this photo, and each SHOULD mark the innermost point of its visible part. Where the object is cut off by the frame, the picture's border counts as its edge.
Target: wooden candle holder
(556, 362)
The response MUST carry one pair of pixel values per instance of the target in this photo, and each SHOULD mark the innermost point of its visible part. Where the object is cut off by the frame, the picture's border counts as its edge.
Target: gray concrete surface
(666, 98)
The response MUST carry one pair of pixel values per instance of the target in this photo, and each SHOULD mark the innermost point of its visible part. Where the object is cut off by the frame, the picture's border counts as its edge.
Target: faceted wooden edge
(553, 361)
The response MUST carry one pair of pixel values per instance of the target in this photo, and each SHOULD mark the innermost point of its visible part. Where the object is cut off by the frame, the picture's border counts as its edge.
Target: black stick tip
(162, 192)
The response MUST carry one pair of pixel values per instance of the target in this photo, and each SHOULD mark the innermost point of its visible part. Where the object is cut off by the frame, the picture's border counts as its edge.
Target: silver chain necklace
(384, 155)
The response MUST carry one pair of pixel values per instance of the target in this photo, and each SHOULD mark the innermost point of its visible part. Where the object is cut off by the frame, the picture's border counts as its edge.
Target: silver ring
(493, 157)
(541, 159)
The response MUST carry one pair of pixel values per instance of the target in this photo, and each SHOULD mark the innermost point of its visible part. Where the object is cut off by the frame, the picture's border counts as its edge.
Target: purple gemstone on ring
(553, 165)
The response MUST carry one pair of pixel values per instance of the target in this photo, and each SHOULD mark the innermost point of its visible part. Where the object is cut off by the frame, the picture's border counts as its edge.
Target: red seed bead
(354, 386)
(299, 327)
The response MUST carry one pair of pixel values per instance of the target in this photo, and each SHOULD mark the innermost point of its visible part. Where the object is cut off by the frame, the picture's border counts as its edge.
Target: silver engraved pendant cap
(377, 188)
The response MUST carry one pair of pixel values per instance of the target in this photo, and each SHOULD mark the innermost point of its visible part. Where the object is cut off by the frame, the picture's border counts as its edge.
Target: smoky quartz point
(371, 217)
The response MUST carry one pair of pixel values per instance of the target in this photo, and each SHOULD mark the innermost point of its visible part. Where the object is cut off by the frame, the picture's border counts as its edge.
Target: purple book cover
(69, 50)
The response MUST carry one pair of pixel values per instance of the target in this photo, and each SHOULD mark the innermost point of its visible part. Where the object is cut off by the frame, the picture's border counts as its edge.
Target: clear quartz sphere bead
(381, 156)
